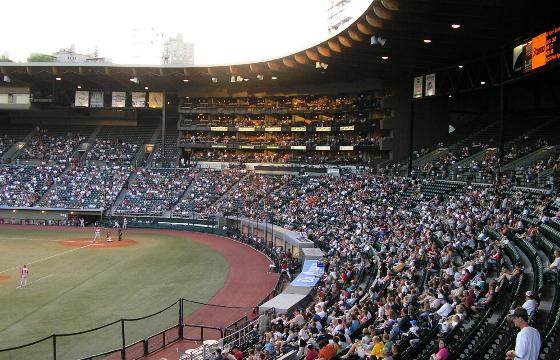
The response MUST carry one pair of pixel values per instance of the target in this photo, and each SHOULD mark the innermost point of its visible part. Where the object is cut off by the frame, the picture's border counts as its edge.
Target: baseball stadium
(382, 184)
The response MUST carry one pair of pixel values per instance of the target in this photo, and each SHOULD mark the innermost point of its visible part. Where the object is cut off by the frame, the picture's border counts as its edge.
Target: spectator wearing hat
(528, 340)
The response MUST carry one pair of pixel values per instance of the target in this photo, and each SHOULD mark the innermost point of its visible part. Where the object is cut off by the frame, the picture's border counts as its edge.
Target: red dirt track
(4, 277)
(247, 284)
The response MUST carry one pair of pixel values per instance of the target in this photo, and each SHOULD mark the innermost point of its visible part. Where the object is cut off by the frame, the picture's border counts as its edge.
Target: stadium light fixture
(58, 78)
(427, 41)
(456, 26)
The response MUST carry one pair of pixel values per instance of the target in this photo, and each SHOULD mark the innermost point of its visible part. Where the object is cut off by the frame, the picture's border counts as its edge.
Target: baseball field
(75, 285)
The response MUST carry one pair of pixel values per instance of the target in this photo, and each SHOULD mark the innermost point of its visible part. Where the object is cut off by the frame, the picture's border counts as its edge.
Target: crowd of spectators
(23, 186)
(439, 269)
(5, 143)
(87, 187)
(113, 151)
(51, 148)
(154, 190)
(209, 185)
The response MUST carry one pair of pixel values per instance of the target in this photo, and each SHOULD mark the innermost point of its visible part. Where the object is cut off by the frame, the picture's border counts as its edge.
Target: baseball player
(97, 235)
(24, 275)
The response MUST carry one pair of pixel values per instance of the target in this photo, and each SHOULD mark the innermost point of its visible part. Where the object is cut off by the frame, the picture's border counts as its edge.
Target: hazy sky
(223, 31)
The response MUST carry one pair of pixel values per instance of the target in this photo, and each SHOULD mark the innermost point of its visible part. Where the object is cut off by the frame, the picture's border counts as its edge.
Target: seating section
(10, 135)
(23, 186)
(87, 187)
(209, 186)
(55, 144)
(119, 144)
(154, 191)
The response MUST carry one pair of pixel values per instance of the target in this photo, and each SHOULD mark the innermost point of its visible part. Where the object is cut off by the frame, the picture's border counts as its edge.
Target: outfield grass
(77, 289)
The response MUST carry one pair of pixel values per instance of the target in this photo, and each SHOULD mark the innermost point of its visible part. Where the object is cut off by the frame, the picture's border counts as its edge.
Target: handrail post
(181, 335)
(54, 346)
(123, 353)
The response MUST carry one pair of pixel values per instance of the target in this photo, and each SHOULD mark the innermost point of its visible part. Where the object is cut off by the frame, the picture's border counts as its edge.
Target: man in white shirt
(551, 272)
(445, 309)
(528, 341)
(530, 303)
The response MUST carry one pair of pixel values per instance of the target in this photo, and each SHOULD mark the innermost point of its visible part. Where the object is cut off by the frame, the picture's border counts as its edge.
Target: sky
(223, 31)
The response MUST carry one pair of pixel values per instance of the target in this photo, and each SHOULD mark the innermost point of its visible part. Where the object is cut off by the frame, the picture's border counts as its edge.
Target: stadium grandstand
(417, 151)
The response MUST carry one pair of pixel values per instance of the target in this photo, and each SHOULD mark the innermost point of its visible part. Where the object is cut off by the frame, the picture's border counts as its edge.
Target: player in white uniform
(97, 233)
(24, 275)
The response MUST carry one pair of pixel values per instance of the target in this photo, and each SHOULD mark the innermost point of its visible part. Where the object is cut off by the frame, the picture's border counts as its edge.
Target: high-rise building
(177, 51)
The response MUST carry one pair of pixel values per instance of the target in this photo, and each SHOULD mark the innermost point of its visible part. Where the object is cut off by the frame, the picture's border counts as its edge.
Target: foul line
(39, 279)
(47, 258)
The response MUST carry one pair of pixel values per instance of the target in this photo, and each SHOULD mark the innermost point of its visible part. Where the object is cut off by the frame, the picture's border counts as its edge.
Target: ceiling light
(58, 79)
(450, 95)
(245, 79)
(427, 41)
(79, 86)
(274, 78)
(456, 26)
(260, 77)
(460, 66)
(134, 80)
(483, 83)
(385, 57)
(185, 80)
(146, 88)
(214, 80)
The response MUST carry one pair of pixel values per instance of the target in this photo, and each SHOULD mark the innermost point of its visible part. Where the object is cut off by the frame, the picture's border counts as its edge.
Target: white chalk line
(47, 258)
(41, 278)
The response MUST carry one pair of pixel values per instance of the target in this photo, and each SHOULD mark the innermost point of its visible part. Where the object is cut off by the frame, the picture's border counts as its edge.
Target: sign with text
(347, 128)
(155, 100)
(138, 99)
(96, 99)
(430, 85)
(273, 129)
(82, 98)
(246, 129)
(118, 99)
(322, 147)
(310, 275)
(323, 128)
(298, 128)
(417, 88)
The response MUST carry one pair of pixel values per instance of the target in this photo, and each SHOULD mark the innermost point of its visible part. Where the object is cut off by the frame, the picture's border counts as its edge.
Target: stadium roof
(410, 37)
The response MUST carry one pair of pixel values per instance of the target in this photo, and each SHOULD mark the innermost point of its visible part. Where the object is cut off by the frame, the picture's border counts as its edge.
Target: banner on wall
(430, 85)
(82, 98)
(155, 100)
(96, 99)
(417, 89)
(118, 99)
(311, 273)
(138, 99)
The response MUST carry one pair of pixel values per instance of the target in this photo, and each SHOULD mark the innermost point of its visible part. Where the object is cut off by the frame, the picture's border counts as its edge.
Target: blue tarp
(311, 274)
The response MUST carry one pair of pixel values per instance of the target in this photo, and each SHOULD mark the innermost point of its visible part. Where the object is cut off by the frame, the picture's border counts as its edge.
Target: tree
(35, 57)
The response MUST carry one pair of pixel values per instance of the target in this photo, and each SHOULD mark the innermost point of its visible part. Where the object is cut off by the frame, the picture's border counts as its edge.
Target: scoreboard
(539, 51)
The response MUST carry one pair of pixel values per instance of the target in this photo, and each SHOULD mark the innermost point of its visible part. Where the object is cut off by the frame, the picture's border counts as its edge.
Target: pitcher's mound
(86, 242)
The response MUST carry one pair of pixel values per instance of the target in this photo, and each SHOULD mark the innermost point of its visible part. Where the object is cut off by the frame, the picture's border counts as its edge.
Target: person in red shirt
(312, 353)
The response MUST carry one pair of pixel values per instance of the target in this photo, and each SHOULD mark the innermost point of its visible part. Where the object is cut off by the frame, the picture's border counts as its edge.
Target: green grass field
(75, 289)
